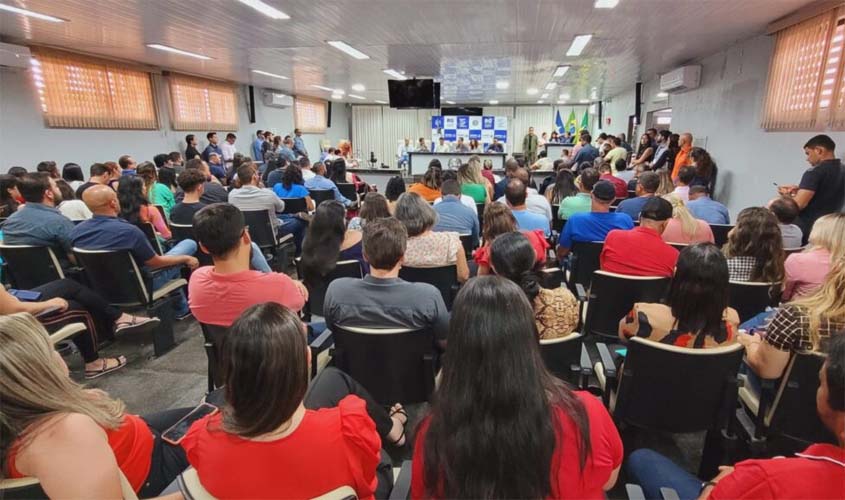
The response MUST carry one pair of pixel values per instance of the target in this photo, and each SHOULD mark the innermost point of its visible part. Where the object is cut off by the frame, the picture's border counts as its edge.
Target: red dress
(332, 447)
(567, 480)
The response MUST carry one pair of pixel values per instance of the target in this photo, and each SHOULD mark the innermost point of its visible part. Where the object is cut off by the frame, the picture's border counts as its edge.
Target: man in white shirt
(403, 150)
(534, 202)
(443, 146)
(228, 148)
(306, 169)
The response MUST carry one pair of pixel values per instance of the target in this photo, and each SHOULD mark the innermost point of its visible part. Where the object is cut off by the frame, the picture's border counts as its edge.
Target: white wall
(724, 117)
(25, 141)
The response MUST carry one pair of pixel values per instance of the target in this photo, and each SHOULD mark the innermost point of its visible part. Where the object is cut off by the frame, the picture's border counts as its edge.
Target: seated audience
(467, 201)
(535, 203)
(17, 171)
(75, 441)
(328, 241)
(278, 433)
(593, 225)
(274, 172)
(683, 227)
(216, 166)
(373, 207)
(70, 207)
(511, 166)
(805, 271)
(49, 168)
(305, 166)
(563, 187)
(645, 151)
(99, 173)
(646, 187)
(813, 474)
(474, 184)
(192, 183)
(685, 177)
(72, 175)
(754, 248)
(320, 183)
(582, 201)
(220, 293)
(105, 231)
(127, 165)
(426, 248)
(429, 187)
(667, 185)
(487, 171)
(498, 220)
(157, 193)
(701, 206)
(641, 251)
(382, 299)
(555, 310)
(624, 173)
(38, 222)
(786, 212)
(587, 152)
(563, 443)
(10, 197)
(394, 189)
(136, 208)
(454, 216)
(696, 313)
(515, 194)
(606, 174)
(293, 186)
(213, 191)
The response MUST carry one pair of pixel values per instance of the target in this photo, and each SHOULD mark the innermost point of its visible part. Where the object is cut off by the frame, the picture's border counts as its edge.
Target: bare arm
(463, 267)
(611, 481)
(803, 197)
(309, 203)
(9, 304)
(159, 261)
(766, 360)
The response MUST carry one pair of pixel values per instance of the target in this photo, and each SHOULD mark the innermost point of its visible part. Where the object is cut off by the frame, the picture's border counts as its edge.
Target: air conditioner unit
(277, 100)
(14, 56)
(681, 79)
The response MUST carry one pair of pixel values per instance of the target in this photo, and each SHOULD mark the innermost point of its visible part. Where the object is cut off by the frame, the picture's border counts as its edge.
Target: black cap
(657, 209)
(604, 191)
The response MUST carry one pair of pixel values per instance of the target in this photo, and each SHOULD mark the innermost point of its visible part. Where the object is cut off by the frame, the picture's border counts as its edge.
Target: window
(200, 104)
(310, 115)
(806, 78)
(81, 92)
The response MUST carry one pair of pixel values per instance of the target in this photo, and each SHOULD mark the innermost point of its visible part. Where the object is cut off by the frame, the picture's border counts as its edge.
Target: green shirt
(615, 155)
(475, 191)
(581, 202)
(162, 195)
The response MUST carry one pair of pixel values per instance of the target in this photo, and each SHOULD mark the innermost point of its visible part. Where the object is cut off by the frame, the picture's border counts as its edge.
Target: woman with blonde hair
(666, 184)
(805, 271)
(474, 184)
(75, 441)
(683, 227)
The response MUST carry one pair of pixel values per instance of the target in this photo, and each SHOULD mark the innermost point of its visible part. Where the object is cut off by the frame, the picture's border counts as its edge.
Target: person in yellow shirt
(616, 153)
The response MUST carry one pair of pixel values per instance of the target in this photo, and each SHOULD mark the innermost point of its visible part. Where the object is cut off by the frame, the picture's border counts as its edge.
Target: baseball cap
(656, 209)
(604, 191)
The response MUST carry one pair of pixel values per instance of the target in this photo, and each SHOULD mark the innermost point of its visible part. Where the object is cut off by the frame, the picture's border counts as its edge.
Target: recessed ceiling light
(395, 74)
(452, 103)
(560, 71)
(532, 91)
(503, 85)
(265, 9)
(584, 101)
(563, 97)
(544, 96)
(578, 45)
(663, 94)
(606, 4)
(181, 52)
(29, 13)
(381, 102)
(356, 97)
(551, 86)
(561, 101)
(359, 87)
(494, 102)
(348, 49)
(337, 96)
(272, 75)
(327, 89)
(540, 101)
(339, 91)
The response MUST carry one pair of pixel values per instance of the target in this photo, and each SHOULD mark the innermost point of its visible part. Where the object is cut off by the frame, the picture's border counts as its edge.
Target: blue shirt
(111, 233)
(217, 170)
(452, 215)
(257, 154)
(633, 206)
(39, 225)
(211, 148)
(709, 210)
(295, 191)
(529, 221)
(287, 154)
(586, 153)
(592, 226)
(318, 183)
(299, 146)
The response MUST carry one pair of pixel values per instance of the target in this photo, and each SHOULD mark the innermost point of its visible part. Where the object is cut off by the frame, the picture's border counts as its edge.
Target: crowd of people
(500, 425)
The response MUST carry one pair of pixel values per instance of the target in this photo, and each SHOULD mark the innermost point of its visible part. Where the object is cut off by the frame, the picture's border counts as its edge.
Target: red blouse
(568, 481)
(332, 447)
(536, 238)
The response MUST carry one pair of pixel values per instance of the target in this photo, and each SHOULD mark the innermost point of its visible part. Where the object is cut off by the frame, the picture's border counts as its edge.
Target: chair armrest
(66, 332)
(581, 292)
(606, 360)
(402, 486)
(47, 312)
(158, 270)
(586, 363)
(634, 492)
(669, 494)
(322, 341)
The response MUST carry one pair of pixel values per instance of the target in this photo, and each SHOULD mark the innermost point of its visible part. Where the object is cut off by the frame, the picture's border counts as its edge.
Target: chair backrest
(260, 228)
(321, 195)
(613, 295)
(163, 214)
(479, 207)
(444, 278)
(561, 354)
(466, 242)
(212, 335)
(678, 389)
(750, 298)
(720, 233)
(394, 365)
(317, 294)
(789, 251)
(584, 260)
(31, 266)
(294, 205)
(347, 190)
(181, 232)
(679, 246)
(30, 487)
(115, 275)
(150, 232)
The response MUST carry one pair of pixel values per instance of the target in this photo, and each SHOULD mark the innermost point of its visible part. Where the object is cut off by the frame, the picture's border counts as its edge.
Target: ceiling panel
(468, 45)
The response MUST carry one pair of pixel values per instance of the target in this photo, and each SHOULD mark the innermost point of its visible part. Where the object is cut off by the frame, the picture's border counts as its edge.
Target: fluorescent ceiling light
(562, 101)
(503, 85)
(359, 87)
(578, 45)
(348, 49)
(337, 96)
(551, 86)
(494, 102)
(381, 102)
(532, 91)
(662, 94)
(606, 4)
(450, 103)
(339, 91)
(356, 97)
(540, 101)
(560, 71)
(265, 9)
(544, 96)
(29, 13)
(563, 97)
(584, 101)
(395, 74)
(327, 89)
(272, 75)
(165, 48)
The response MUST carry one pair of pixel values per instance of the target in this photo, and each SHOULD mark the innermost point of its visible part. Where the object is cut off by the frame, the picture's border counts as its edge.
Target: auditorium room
(394, 249)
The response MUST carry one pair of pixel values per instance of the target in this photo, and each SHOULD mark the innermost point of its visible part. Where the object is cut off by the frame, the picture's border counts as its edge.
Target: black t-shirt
(827, 181)
(183, 213)
(81, 189)
(191, 153)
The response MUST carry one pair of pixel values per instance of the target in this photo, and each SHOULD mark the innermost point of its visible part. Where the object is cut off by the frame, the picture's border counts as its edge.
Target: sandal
(135, 324)
(399, 411)
(121, 362)
(400, 441)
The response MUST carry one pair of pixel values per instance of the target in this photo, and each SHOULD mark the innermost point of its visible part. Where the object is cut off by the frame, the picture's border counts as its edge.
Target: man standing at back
(595, 224)
(529, 146)
(228, 149)
(682, 159)
(257, 144)
(299, 143)
(212, 146)
(616, 153)
(647, 184)
(641, 251)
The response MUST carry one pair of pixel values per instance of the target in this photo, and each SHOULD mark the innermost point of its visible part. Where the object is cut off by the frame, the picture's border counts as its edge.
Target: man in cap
(641, 251)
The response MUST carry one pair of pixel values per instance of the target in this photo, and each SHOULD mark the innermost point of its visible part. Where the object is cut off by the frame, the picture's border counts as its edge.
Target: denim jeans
(257, 260)
(653, 471)
(184, 247)
(288, 224)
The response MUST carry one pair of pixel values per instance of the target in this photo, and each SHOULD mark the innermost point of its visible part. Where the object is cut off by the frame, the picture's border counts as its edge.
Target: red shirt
(567, 479)
(218, 299)
(638, 252)
(330, 448)
(535, 237)
(488, 174)
(818, 473)
(620, 185)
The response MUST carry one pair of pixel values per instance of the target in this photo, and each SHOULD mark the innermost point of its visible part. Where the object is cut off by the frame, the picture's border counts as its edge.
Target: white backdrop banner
(481, 128)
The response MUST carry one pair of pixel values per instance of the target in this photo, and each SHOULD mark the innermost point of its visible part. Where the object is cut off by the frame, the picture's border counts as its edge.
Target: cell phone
(175, 433)
(622, 352)
(25, 295)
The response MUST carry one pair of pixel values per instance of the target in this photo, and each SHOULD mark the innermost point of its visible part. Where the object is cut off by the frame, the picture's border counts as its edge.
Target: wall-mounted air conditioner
(681, 79)
(14, 56)
(277, 100)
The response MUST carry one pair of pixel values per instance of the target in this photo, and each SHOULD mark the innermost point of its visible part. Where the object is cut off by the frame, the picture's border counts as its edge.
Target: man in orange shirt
(682, 159)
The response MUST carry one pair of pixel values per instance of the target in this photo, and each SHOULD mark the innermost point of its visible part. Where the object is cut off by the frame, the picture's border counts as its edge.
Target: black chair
(720, 233)
(444, 278)
(31, 266)
(116, 276)
(163, 214)
(466, 242)
(612, 296)
(551, 277)
(317, 295)
(347, 190)
(295, 205)
(25, 488)
(278, 251)
(632, 194)
(557, 222)
(321, 195)
(584, 260)
(679, 246)
(789, 251)
(181, 232)
(394, 365)
(212, 334)
(479, 207)
(566, 358)
(750, 298)
(676, 390)
(150, 232)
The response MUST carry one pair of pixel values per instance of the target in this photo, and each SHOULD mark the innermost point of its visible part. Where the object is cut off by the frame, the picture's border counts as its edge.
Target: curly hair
(757, 234)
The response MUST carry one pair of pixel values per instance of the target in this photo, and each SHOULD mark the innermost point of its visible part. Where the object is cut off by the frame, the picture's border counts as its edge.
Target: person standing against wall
(529, 146)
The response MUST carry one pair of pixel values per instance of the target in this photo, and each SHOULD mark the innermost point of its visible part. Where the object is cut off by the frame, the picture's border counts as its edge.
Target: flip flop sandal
(136, 324)
(399, 411)
(121, 362)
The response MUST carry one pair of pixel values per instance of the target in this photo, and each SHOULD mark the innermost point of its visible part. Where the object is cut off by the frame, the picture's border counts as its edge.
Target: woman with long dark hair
(644, 152)
(136, 208)
(563, 187)
(328, 241)
(374, 207)
(755, 247)
(293, 186)
(72, 174)
(705, 169)
(501, 426)
(429, 188)
(10, 197)
(395, 187)
(696, 313)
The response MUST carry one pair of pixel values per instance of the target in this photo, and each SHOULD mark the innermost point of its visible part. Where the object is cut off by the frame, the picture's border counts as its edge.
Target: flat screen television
(412, 94)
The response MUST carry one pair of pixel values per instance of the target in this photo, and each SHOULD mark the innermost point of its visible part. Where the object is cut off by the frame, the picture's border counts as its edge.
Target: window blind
(200, 104)
(310, 115)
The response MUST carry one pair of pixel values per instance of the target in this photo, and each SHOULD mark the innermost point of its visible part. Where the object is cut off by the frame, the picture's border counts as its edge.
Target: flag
(559, 123)
(572, 122)
(585, 121)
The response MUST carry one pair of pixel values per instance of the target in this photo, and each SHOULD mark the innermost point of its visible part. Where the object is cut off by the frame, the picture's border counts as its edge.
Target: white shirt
(534, 203)
(443, 148)
(228, 151)
(467, 201)
(403, 150)
(307, 174)
(75, 210)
